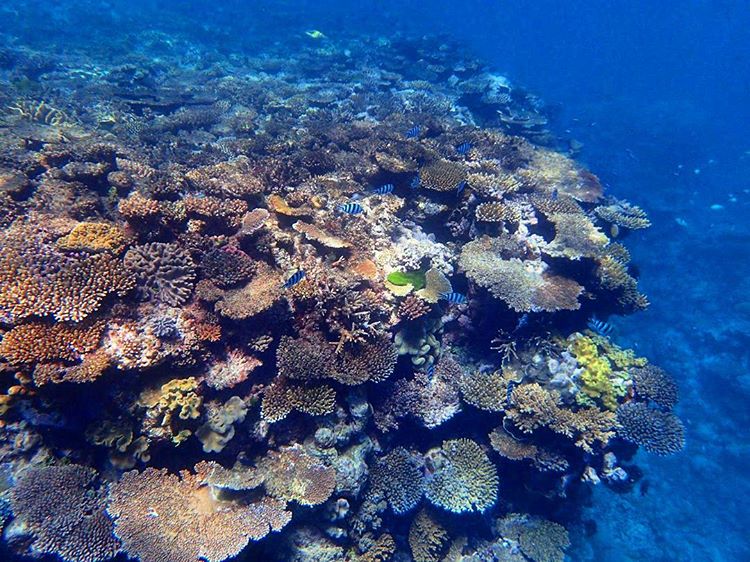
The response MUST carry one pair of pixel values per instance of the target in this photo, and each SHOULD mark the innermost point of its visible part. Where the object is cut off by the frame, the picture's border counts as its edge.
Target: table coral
(398, 477)
(65, 513)
(162, 517)
(292, 474)
(40, 342)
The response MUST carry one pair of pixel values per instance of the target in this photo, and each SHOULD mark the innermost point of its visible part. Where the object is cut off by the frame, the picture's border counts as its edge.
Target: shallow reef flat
(345, 304)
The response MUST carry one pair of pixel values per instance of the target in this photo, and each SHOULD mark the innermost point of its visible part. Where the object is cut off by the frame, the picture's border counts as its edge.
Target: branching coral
(623, 214)
(94, 237)
(398, 477)
(486, 391)
(428, 539)
(512, 449)
(234, 178)
(39, 342)
(655, 384)
(540, 540)
(232, 371)
(281, 398)
(576, 237)
(460, 477)
(656, 431)
(161, 517)
(165, 272)
(494, 211)
(227, 267)
(442, 175)
(65, 513)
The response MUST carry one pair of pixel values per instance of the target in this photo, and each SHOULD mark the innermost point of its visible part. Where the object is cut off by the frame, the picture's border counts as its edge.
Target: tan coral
(292, 474)
(281, 398)
(442, 175)
(94, 237)
(315, 234)
(39, 342)
(257, 296)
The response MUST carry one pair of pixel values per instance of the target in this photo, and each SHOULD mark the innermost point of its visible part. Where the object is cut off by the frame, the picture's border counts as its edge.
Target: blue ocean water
(655, 96)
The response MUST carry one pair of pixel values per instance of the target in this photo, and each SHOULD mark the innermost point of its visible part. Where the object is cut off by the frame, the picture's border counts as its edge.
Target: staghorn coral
(64, 512)
(460, 477)
(656, 431)
(428, 540)
(40, 342)
(162, 517)
(397, 476)
(442, 175)
(292, 474)
(94, 237)
(165, 272)
(282, 398)
(540, 540)
(655, 384)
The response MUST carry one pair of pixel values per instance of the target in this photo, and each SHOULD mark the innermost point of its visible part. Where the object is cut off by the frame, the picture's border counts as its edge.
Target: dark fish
(460, 187)
(414, 184)
(413, 132)
(294, 279)
(463, 148)
(453, 298)
(350, 208)
(555, 194)
(599, 327)
(383, 189)
(509, 393)
(430, 370)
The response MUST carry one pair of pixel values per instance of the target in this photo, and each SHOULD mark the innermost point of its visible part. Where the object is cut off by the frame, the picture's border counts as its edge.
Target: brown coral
(232, 371)
(282, 398)
(655, 384)
(442, 175)
(495, 211)
(94, 237)
(576, 237)
(623, 214)
(161, 517)
(428, 539)
(64, 513)
(539, 539)
(413, 307)
(234, 178)
(292, 474)
(165, 272)
(512, 449)
(91, 368)
(258, 295)
(39, 342)
(486, 391)
(315, 234)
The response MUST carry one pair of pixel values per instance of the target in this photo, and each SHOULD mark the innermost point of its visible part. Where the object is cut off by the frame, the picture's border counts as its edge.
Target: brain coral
(460, 477)
(165, 272)
(162, 517)
(656, 431)
(398, 477)
(65, 513)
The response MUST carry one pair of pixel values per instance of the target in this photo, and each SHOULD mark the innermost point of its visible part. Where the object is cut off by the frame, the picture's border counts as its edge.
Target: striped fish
(430, 370)
(463, 148)
(453, 298)
(294, 279)
(350, 208)
(413, 132)
(414, 183)
(460, 187)
(599, 327)
(383, 189)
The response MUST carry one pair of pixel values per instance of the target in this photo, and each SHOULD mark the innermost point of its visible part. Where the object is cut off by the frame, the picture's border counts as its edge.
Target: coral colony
(351, 311)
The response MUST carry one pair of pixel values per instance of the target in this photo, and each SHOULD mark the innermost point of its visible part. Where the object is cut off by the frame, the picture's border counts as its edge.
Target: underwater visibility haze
(374, 281)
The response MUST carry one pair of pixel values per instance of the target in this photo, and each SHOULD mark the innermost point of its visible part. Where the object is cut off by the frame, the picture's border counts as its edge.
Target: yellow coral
(94, 237)
(600, 382)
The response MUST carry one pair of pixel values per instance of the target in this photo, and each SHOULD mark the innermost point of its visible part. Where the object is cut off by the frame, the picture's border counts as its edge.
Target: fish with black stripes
(383, 189)
(463, 148)
(350, 208)
(599, 327)
(453, 298)
(295, 278)
(413, 132)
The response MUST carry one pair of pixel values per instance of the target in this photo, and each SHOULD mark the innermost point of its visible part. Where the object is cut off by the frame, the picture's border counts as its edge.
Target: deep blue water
(659, 95)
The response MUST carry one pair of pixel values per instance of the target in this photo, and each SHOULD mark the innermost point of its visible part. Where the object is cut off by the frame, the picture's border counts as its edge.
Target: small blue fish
(599, 327)
(414, 184)
(463, 148)
(523, 321)
(413, 132)
(460, 187)
(383, 189)
(350, 208)
(294, 279)
(453, 298)
(555, 194)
